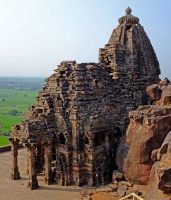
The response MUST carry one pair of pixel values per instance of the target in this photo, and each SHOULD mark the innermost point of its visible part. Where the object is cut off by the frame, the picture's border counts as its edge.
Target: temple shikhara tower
(81, 113)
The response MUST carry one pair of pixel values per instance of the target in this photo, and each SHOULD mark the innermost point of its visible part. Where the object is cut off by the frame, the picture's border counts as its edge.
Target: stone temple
(81, 113)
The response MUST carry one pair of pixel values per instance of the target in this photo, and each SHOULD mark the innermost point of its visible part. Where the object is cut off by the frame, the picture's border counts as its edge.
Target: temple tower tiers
(81, 113)
(129, 52)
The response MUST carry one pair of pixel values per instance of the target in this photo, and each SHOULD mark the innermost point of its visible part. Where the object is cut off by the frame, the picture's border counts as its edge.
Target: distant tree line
(12, 113)
(5, 133)
(21, 83)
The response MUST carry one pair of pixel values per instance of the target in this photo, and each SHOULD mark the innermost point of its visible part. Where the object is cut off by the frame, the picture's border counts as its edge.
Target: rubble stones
(128, 184)
(118, 176)
(114, 187)
(86, 191)
(122, 190)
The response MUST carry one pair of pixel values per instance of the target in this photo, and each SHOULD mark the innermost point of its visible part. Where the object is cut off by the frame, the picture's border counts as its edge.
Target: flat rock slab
(104, 189)
(10, 189)
(122, 190)
(86, 191)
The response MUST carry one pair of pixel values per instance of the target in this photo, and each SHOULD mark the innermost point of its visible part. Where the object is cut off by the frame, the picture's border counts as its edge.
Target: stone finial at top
(128, 10)
(128, 18)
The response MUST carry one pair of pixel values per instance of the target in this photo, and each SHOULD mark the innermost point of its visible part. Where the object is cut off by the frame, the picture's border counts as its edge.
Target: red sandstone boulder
(154, 91)
(164, 82)
(166, 95)
(148, 127)
(160, 94)
(160, 176)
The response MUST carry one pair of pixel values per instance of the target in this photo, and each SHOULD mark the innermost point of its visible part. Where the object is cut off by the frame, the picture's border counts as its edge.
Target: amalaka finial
(128, 11)
(128, 18)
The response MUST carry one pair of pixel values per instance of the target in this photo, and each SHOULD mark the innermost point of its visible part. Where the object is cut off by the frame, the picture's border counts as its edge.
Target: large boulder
(166, 95)
(160, 176)
(148, 128)
(154, 92)
(160, 94)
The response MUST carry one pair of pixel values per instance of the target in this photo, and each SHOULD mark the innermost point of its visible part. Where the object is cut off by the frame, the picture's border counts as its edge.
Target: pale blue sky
(36, 35)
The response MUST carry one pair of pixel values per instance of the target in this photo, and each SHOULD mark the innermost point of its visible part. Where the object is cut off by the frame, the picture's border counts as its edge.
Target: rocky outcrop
(160, 94)
(160, 176)
(144, 156)
(148, 127)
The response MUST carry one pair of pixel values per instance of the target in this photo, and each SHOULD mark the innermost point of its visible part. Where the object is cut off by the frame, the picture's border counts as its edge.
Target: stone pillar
(14, 150)
(91, 141)
(39, 159)
(67, 170)
(32, 183)
(102, 178)
(48, 158)
(27, 164)
(90, 180)
(107, 140)
(97, 179)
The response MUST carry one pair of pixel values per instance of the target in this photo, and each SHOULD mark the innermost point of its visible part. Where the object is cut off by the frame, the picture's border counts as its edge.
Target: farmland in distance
(16, 95)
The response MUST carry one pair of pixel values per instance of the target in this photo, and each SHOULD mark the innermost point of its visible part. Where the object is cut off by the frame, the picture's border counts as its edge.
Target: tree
(3, 100)
(13, 112)
(25, 95)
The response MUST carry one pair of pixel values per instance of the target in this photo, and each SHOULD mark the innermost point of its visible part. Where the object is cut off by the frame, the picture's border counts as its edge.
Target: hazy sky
(36, 35)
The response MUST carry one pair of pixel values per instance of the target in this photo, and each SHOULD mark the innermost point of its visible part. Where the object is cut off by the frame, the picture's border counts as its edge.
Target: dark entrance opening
(62, 138)
(54, 157)
(85, 139)
(99, 139)
(53, 153)
(115, 139)
(118, 132)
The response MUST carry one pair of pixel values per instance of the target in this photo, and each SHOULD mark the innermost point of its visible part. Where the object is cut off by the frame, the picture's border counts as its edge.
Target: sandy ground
(16, 190)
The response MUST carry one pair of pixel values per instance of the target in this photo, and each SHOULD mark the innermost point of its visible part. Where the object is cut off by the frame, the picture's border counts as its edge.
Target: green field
(4, 140)
(10, 101)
